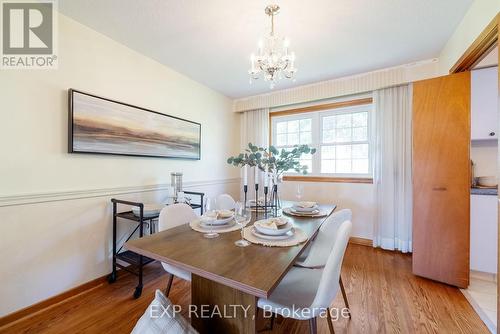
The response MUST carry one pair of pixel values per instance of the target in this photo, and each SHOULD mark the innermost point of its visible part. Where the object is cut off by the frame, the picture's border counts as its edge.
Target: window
(340, 135)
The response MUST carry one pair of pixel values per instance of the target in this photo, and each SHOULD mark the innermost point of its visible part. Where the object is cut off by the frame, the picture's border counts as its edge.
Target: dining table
(227, 280)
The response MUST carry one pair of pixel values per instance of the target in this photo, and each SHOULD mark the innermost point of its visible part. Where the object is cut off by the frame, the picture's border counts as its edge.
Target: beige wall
(63, 238)
(475, 20)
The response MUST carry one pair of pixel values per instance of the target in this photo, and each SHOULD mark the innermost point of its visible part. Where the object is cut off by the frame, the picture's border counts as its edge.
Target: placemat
(298, 237)
(195, 225)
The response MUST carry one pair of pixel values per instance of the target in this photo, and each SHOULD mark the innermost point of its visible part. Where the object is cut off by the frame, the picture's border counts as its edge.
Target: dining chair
(225, 202)
(306, 293)
(170, 217)
(316, 255)
(319, 249)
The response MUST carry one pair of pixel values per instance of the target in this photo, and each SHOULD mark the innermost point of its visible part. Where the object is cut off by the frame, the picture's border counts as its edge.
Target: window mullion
(316, 143)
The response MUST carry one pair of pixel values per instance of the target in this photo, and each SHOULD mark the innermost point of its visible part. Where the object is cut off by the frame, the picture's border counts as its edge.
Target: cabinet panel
(483, 233)
(484, 104)
(441, 179)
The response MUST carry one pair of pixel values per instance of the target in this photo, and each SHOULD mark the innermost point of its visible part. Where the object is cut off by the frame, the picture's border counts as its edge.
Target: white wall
(484, 155)
(357, 197)
(62, 239)
(475, 20)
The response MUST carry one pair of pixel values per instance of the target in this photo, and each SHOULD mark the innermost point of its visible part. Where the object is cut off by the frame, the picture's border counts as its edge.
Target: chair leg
(329, 319)
(169, 284)
(271, 325)
(313, 329)
(344, 296)
(272, 322)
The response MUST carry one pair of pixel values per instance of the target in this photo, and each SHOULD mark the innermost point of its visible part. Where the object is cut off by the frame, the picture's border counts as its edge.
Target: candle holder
(256, 199)
(271, 201)
(245, 190)
(266, 189)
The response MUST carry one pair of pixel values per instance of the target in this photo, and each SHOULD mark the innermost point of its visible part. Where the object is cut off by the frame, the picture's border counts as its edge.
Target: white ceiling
(211, 40)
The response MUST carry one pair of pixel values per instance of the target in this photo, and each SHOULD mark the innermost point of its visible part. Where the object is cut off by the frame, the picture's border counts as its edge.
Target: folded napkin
(306, 205)
(217, 214)
(272, 223)
(221, 214)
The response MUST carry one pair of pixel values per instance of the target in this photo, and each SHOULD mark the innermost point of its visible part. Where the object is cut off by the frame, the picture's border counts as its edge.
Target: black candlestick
(275, 195)
(265, 200)
(245, 190)
(256, 200)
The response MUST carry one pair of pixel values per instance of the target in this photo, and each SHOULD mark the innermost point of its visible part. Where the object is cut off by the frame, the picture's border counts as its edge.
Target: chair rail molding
(35, 198)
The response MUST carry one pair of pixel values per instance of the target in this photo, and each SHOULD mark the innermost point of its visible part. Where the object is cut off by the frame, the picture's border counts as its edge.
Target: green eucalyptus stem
(277, 161)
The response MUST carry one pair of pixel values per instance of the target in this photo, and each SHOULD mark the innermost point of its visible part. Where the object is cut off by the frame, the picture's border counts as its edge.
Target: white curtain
(255, 130)
(392, 168)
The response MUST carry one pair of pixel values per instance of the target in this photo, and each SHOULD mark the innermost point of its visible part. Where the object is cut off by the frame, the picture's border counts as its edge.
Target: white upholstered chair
(172, 216)
(316, 255)
(319, 249)
(225, 202)
(311, 291)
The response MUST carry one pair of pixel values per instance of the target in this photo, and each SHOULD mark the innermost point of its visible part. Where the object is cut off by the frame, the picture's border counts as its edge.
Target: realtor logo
(28, 34)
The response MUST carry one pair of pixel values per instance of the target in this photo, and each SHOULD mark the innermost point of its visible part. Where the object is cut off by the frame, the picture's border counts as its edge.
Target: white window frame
(316, 134)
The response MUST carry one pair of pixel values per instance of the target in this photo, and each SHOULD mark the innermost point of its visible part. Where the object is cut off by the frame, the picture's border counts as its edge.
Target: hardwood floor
(384, 295)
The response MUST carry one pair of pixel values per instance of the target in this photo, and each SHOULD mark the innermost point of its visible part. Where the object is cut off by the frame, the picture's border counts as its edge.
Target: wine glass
(242, 215)
(209, 208)
(299, 192)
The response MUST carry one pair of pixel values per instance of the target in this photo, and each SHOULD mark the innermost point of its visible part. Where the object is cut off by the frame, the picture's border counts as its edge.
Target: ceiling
(210, 41)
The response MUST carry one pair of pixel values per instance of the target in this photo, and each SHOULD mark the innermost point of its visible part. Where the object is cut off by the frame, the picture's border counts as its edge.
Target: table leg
(237, 309)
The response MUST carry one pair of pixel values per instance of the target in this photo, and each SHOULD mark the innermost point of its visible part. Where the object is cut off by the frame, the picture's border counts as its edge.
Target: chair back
(321, 246)
(175, 215)
(225, 202)
(329, 283)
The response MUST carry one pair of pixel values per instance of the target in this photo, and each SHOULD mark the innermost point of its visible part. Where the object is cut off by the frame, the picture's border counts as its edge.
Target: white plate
(215, 227)
(305, 213)
(149, 210)
(273, 237)
(289, 211)
(216, 222)
(268, 231)
(301, 209)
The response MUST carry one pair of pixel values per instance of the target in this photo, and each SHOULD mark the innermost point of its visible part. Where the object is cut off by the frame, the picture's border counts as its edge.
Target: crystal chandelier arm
(273, 60)
(272, 23)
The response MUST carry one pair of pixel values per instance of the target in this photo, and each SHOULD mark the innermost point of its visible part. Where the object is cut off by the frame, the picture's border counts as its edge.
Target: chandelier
(273, 60)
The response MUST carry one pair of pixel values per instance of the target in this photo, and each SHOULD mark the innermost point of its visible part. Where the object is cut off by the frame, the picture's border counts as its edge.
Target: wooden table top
(255, 269)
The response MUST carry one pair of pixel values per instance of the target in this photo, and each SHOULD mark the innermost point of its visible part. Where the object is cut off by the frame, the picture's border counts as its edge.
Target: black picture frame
(71, 129)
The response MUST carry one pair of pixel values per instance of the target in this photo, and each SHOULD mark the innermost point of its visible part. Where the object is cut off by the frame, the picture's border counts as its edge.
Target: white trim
(35, 198)
(479, 310)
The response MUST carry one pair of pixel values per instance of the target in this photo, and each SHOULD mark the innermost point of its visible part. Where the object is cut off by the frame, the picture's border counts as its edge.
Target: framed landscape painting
(103, 126)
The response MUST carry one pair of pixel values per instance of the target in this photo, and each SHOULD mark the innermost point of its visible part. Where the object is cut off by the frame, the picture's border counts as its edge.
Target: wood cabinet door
(441, 178)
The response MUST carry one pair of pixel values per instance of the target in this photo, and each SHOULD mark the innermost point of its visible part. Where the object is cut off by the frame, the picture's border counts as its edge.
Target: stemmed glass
(242, 215)
(209, 207)
(299, 192)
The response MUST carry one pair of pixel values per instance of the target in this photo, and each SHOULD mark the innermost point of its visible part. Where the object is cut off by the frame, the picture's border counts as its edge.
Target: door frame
(482, 45)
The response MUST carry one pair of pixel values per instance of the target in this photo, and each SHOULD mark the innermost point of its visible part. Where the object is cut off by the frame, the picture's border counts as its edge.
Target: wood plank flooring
(385, 297)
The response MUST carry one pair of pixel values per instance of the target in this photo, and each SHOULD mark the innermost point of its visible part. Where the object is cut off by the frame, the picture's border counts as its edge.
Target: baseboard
(361, 241)
(490, 277)
(52, 301)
